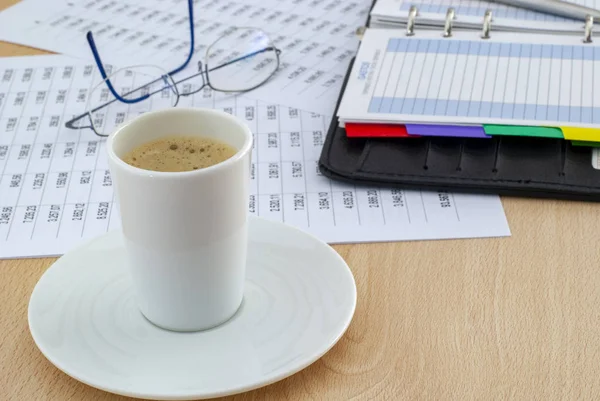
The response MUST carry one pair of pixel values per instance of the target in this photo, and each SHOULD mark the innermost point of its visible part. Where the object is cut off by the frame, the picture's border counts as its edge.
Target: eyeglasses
(244, 59)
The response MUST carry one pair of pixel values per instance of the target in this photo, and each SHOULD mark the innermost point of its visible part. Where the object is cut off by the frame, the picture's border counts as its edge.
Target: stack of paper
(56, 189)
(55, 185)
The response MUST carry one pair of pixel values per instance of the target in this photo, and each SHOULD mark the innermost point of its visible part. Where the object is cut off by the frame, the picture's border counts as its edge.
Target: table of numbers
(317, 37)
(56, 188)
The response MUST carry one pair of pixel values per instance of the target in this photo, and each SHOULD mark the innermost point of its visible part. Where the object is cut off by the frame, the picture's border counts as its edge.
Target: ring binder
(486, 28)
(410, 24)
(487, 25)
(450, 15)
(589, 25)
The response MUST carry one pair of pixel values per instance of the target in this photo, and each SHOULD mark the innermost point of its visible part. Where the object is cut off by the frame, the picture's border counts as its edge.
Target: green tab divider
(586, 143)
(523, 130)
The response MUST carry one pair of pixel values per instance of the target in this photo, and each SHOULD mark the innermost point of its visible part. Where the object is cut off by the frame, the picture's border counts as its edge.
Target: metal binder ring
(410, 24)
(589, 25)
(487, 25)
(450, 14)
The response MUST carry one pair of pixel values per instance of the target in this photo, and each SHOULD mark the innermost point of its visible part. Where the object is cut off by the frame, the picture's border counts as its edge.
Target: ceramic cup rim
(173, 113)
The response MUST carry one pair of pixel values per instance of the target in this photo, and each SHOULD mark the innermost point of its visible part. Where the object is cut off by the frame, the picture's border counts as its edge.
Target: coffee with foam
(179, 153)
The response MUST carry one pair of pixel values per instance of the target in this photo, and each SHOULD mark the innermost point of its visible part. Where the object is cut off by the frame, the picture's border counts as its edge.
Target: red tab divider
(354, 130)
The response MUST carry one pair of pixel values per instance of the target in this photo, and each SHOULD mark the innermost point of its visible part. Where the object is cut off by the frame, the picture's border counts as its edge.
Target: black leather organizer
(515, 166)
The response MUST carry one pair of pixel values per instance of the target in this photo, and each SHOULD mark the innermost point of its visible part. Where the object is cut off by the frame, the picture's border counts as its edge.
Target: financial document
(56, 189)
(317, 37)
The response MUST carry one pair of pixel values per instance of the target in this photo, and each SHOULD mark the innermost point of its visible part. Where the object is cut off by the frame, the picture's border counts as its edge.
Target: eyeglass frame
(202, 71)
(90, 39)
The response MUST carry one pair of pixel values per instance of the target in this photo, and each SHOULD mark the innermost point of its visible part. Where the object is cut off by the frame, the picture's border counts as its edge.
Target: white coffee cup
(185, 233)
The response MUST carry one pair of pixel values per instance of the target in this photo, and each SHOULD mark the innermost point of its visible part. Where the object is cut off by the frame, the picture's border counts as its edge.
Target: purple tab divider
(446, 130)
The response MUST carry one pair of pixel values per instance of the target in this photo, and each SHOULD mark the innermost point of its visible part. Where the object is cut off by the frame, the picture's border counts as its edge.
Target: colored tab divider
(354, 130)
(578, 136)
(358, 130)
(456, 131)
(586, 144)
(581, 134)
(523, 130)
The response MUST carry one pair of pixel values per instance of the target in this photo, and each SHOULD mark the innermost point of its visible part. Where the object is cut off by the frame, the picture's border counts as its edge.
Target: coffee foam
(179, 153)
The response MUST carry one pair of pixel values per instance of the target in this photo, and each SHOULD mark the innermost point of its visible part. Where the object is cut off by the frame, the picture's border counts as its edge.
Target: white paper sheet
(316, 37)
(56, 189)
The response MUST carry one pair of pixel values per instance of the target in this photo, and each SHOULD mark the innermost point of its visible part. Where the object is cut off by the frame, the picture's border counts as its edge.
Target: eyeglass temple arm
(92, 43)
(98, 60)
(235, 60)
(191, 53)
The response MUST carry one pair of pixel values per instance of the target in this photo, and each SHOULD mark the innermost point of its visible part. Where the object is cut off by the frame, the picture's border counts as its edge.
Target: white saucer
(300, 298)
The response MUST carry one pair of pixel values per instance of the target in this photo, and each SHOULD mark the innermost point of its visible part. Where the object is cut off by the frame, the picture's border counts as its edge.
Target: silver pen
(555, 7)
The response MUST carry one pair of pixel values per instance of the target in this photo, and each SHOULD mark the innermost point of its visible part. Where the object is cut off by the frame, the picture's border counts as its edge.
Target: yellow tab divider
(581, 134)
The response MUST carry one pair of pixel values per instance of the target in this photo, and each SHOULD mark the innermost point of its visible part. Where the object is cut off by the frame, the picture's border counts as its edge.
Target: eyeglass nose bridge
(201, 72)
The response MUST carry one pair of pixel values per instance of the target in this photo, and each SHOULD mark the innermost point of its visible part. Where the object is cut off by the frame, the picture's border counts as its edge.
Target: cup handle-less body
(185, 233)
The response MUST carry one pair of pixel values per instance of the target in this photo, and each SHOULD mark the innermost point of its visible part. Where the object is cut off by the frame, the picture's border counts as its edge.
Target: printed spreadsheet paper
(514, 79)
(469, 13)
(56, 189)
(317, 37)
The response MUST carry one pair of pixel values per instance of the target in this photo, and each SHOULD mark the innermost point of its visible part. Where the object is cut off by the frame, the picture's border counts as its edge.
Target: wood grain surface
(487, 319)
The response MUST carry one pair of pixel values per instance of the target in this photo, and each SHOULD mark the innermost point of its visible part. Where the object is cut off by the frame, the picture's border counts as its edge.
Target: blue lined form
(458, 108)
(510, 79)
(491, 80)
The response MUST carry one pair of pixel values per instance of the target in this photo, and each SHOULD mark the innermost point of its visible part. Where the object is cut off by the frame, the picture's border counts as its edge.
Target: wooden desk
(511, 318)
